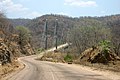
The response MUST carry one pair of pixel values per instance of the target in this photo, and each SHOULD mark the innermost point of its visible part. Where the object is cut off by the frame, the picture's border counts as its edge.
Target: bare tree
(88, 36)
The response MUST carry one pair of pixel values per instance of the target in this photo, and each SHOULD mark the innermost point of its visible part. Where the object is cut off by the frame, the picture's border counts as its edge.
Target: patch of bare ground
(7, 69)
(112, 67)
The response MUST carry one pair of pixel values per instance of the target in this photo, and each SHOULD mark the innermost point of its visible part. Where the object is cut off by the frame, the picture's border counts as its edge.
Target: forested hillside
(37, 27)
(83, 32)
(19, 22)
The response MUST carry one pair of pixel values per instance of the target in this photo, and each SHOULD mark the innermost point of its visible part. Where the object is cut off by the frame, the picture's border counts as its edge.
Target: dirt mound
(98, 55)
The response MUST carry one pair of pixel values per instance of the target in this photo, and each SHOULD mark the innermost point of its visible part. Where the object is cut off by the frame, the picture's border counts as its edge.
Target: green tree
(105, 44)
(24, 35)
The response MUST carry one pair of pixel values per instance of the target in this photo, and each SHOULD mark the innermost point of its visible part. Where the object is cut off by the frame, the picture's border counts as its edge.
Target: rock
(97, 55)
(28, 50)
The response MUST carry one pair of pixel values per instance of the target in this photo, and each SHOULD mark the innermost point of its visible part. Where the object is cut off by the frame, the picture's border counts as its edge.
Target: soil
(111, 66)
(6, 69)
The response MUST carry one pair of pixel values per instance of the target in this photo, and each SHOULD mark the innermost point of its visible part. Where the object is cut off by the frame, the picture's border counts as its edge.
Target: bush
(68, 58)
(105, 44)
(39, 50)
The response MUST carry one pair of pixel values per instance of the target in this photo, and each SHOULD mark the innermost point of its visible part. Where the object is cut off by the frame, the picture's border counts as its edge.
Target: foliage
(105, 44)
(84, 37)
(68, 58)
(11, 44)
(115, 27)
(92, 32)
(24, 34)
(39, 50)
(19, 22)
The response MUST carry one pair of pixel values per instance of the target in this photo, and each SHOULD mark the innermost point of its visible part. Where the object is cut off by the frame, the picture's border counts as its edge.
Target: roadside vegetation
(14, 42)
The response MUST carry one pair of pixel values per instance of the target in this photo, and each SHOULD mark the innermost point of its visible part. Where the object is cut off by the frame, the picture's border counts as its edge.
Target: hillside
(9, 42)
(66, 24)
(37, 28)
(19, 22)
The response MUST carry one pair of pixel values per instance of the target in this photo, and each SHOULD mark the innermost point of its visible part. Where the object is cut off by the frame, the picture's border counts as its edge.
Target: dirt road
(41, 70)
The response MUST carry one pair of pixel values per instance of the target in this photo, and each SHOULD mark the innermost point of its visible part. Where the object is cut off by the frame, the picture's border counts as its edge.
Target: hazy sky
(74, 8)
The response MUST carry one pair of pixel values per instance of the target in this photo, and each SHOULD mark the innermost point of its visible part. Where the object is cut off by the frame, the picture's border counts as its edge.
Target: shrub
(105, 44)
(68, 58)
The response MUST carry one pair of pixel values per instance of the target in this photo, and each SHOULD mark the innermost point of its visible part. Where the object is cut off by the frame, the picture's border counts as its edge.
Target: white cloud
(18, 9)
(80, 3)
(10, 6)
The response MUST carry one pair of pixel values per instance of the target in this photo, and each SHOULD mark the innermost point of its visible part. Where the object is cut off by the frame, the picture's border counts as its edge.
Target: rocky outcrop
(5, 53)
(10, 48)
(98, 55)
(28, 49)
(9, 42)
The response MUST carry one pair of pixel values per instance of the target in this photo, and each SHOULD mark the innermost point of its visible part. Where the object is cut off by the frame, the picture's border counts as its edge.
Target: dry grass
(8, 68)
(53, 57)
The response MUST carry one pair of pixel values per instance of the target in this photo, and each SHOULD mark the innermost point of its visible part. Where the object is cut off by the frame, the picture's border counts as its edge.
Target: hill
(37, 27)
(66, 24)
(9, 42)
(19, 22)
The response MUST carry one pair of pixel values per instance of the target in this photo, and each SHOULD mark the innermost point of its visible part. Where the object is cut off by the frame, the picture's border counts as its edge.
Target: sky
(73, 8)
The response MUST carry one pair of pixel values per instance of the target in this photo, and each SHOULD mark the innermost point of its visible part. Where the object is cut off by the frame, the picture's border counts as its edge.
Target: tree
(84, 37)
(24, 35)
(116, 38)
(3, 20)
